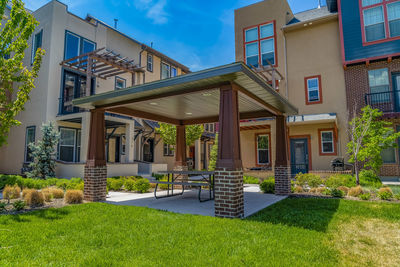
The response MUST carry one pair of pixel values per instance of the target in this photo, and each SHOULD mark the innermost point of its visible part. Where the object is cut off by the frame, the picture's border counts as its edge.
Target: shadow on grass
(308, 213)
(47, 214)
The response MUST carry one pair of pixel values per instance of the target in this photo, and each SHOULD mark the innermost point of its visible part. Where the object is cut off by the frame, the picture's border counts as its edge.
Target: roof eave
(319, 20)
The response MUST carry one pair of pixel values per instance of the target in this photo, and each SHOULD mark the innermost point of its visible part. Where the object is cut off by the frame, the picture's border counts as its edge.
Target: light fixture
(189, 113)
(207, 94)
(153, 103)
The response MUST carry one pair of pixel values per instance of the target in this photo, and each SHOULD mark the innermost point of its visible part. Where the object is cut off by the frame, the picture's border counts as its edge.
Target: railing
(385, 101)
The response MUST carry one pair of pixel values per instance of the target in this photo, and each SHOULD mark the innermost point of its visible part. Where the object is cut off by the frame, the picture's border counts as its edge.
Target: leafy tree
(369, 135)
(168, 133)
(213, 155)
(15, 79)
(44, 153)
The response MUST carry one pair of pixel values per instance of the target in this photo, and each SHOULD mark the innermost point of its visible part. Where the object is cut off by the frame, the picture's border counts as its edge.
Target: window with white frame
(262, 149)
(209, 127)
(69, 145)
(120, 83)
(313, 90)
(381, 19)
(78, 145)
(259, 43)
(327, 142)
(123, 144)
(29, 138)
(37, 43)
(150, 62)
(379, 85)
(165, 71)
(168, 150)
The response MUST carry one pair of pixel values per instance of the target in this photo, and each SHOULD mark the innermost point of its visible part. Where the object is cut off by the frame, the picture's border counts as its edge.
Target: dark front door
(117, 149)
(299, 155)
(148, 150)
(396, 91)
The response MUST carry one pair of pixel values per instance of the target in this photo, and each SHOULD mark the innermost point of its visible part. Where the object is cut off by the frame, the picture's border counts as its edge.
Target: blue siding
(352, 37)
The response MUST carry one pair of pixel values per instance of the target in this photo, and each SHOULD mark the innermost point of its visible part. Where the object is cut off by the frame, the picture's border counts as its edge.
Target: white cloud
(155, 10)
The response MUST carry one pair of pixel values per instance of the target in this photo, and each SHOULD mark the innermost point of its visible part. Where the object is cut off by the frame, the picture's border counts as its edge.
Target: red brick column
(95, 176)
(229, 201)
(282, 167)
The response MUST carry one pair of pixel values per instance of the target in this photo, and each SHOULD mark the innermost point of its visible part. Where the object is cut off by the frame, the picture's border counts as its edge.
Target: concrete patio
(188, 203)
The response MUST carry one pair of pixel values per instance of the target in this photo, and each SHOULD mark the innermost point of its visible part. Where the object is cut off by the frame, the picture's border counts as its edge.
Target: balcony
(387, 102)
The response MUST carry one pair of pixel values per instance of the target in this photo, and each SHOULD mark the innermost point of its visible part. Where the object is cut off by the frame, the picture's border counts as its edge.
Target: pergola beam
(143, 115)
(243, 116)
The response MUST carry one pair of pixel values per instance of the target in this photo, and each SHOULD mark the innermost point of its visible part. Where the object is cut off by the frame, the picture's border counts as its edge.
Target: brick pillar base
(229, 201)
(95, 179)
(282, 180)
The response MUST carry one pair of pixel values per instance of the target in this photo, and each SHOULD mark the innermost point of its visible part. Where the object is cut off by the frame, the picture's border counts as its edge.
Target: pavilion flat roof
(194, 95)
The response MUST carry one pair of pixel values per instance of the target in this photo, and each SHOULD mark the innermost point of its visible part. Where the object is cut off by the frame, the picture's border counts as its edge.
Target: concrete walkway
(188, 203)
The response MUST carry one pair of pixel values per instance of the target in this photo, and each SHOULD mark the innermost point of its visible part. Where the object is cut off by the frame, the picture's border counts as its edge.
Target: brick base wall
(95, 179)
(282, 180)
(229, 201)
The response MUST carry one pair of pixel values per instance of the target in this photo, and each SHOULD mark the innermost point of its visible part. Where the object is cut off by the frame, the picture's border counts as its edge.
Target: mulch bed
(55, 203)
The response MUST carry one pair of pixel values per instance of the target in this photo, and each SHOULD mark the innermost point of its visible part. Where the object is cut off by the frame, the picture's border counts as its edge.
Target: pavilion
(225, 94)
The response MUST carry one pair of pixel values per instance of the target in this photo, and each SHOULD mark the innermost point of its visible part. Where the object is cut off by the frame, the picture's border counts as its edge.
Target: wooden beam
(143, 115)
(82, 56)
(82, 71)
(243, 116)
(97, 69)
(89, 76)
(187, 91)
(104, 74)
(256, 100)
(111, 63)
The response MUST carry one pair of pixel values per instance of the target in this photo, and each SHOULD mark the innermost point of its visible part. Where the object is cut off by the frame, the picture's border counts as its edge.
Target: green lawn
(294, 232)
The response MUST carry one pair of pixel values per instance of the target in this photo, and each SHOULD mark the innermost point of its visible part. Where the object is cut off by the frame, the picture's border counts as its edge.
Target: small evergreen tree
(213, 155)
(44, 153)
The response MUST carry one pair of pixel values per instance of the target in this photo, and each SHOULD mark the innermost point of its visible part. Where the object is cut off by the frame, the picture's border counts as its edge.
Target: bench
(183, 184)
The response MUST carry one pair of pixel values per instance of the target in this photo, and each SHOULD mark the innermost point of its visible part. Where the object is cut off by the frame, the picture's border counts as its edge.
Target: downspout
(286, 66)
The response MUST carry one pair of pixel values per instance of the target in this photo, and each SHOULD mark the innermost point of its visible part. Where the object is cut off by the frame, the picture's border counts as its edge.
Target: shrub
(355, 191)
(48, 196)
(268, 186)
(397, 196)
(158, 177)
(115, 184)
(385, 193)
(141, 185)
(365, 196)
(11, 192)
(317, 190)
(369, 178)
(250, 180)
(327, 191)
(309, 179)
(34, 198)
(25, 192)
(19, 205)
(345, 189)
(129, 184)
(8, 179)
(3, 206)
(337, 193)
(80, 186)
(57, 193)
(338, 180)
(298, 189)
(73, 196)
(63, 183)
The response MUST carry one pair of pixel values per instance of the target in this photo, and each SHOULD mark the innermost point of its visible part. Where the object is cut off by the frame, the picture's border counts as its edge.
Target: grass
(293, 232)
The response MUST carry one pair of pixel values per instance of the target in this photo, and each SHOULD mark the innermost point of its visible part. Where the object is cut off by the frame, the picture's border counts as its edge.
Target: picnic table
(190, 179)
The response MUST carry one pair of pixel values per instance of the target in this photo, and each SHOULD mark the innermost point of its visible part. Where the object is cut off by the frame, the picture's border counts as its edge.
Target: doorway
(299, 155)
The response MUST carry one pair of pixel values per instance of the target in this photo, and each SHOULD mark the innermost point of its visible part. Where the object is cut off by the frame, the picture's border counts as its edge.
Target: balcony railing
(384, 101)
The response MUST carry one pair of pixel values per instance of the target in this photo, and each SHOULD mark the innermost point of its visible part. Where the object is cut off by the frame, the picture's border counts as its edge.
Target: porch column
(130, 144)
(95, 176)
(282, 166)
(229, 170)
(180, 149)
(197, 157)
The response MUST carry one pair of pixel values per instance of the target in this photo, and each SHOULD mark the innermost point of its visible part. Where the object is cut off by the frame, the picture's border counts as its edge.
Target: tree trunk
(356, 171)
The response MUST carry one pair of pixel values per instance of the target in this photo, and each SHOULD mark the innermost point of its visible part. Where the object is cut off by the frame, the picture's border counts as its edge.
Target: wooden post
(95, 176)
(229, 201)
(282, 166)
(180, 148)
(89, 76)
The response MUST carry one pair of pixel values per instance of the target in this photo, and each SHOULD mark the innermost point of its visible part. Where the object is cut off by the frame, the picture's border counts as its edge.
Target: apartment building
(300, 56)
(116, 61)
(370, 43)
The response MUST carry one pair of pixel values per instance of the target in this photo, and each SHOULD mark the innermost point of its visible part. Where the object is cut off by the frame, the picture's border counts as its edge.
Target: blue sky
(197, 33)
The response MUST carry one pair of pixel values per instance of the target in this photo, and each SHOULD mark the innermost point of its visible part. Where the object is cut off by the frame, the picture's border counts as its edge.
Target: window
(76, 45)
(259, 45)
(78, 145)
(327, 143)
(380, 19)
(165, 71)
(174, 72)
(379, 85)
(69, 148)
(74, 86)
(150, 62)
(120, 83)
(313, 90)
(123, 144)
(389, 155)
(262, 149)
(29, 138)
(37, 43)
(168, 150)
(209, 127)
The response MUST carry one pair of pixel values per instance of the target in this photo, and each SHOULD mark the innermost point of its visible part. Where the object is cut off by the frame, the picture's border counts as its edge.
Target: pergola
(225, 94)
